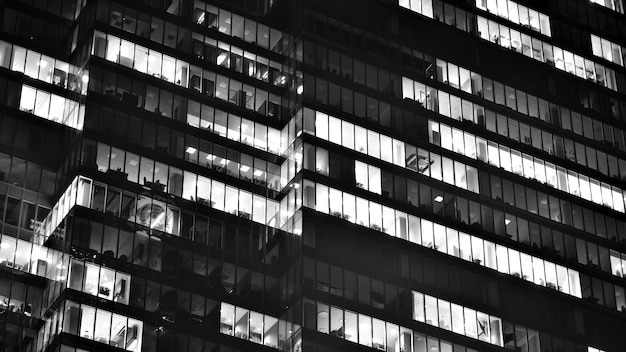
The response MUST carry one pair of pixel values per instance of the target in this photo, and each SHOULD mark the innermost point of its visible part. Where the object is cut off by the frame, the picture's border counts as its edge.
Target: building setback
(312, 175)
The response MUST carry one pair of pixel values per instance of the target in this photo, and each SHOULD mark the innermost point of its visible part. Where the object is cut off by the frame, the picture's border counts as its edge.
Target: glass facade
(312, 176)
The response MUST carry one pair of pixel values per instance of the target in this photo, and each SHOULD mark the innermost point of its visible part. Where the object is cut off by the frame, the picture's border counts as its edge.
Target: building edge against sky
(355, 175)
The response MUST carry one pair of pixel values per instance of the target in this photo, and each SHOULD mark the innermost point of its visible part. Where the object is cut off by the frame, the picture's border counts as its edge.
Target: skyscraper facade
(312, 175)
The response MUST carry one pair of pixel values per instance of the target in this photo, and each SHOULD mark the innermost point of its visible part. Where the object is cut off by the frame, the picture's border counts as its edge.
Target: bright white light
(299, 90)
(191, 150)
(438, 199)
(157, 220)
(244, 168)
(258, 173)
(200, 19)
(220, 58)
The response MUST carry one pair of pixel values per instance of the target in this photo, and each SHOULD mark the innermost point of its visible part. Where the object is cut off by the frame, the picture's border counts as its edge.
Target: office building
(312, 175)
